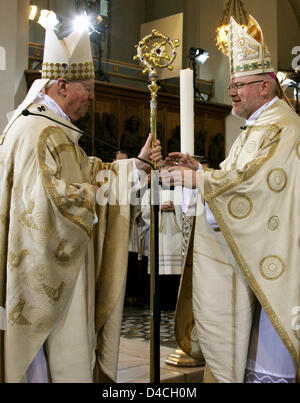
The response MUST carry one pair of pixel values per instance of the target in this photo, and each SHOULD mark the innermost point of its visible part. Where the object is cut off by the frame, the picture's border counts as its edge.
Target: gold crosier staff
(152, 52)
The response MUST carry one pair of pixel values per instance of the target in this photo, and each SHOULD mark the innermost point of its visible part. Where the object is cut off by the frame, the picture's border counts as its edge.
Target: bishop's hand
(179, 176)
(149, 153)
(183, 160)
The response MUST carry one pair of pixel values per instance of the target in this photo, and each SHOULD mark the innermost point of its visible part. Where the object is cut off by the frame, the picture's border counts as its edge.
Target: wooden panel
(215, 142)
(106, 126)
(132, 133)
(201, 134)
(160, 118)
(172, 133)
(121, 115)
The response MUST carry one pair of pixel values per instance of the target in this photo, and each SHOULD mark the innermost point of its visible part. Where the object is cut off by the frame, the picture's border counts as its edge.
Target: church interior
(120, 115)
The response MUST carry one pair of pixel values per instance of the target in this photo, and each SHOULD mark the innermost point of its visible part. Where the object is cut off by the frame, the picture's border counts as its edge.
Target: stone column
(14, 30)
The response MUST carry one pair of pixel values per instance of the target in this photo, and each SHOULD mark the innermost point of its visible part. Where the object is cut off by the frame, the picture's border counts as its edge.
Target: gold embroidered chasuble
(62, 278)
(256, 201)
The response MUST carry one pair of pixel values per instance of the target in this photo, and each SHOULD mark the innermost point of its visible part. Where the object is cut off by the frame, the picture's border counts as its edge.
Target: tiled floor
(134, 358)
(136, 325)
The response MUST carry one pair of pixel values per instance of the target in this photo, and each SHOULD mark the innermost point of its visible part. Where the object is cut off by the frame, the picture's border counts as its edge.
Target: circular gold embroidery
(240, 207)
(297, 334)
(298, 150)
(272, 267)
(296, 322)
(277, 180)
(38, 224)
(219, 174)
(251, 147)
(41, 231)
(273, 223)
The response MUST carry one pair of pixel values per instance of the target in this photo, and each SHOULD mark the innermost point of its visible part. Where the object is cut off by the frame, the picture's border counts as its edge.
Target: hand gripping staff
(155, 51)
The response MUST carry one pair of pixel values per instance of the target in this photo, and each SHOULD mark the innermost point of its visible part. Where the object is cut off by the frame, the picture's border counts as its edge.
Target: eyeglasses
(238, 86)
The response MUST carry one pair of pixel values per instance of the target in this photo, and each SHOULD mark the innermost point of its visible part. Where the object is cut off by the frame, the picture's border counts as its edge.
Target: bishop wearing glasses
(239, 298)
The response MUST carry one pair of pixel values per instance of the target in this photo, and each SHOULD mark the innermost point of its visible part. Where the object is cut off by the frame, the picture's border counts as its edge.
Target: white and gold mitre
(69, 58)
(248, 52)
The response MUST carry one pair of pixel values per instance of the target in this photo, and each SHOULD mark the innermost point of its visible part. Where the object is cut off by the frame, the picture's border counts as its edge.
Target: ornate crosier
(154, 52)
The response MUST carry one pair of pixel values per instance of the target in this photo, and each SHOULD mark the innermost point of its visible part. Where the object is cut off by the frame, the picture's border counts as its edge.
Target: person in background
(120, 155)
(170, 241)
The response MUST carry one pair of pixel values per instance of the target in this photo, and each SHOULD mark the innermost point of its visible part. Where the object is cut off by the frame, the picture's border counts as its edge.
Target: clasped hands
(180, 170)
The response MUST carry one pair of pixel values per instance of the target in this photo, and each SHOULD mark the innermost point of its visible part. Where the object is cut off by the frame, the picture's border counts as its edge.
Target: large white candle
(187, 111)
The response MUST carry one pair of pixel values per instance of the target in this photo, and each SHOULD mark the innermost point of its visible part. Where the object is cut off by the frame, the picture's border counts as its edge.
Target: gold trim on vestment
(184, 312)
(253, 283)
(298, 150)
(244, 175)
(238, 211)
(277, 270)
(219, 174)
(275, 174)
(273, 223)
(250, 169)
(55, 196)
(251, 147)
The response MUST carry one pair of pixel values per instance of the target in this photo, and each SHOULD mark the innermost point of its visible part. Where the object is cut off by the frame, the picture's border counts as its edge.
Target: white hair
(47, 86)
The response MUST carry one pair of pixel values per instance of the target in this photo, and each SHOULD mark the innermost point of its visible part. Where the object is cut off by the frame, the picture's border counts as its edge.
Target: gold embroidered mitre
(69, 58)
(248, 51)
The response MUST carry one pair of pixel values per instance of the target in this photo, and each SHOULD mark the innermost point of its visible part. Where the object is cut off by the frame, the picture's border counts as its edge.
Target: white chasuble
(255, 201)
(60, 286)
